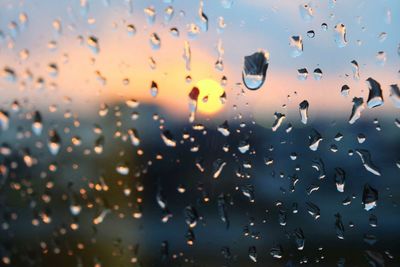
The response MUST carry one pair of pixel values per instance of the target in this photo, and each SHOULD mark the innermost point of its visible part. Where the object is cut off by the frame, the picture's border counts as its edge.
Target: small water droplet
(340, 35)
(296, 44)
(375, 97)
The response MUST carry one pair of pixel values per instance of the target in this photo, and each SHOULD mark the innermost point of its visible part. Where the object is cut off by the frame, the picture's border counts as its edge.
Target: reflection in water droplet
(303, 109)
(276, 251)
(313, 210)
(345, 90)
(356, 70)
(306, 12)
(311, 33)
(367, 161)
(299, 238)
(318, 74)
(395, 95)
(155, 41)
(255, 69)
(375, 97)
(279, 117)
(340, 178)
(224, 128)
(154, 89)
(253, 253)
(339, 226)
(168, 13)
(93, 44)
(314, 139)
(302, 74)
(358, 107)
(340, 35)
(168, 138)
(37, 124)
(369, 197)
(202, 20)
(131, 29)
(150, 14)
(218, 166)
(54, 143)
(296, 44)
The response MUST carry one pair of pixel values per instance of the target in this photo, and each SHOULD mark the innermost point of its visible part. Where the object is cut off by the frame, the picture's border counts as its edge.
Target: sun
(209, 101)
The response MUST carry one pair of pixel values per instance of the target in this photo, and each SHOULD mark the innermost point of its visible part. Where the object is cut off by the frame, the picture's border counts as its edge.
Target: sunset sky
(250, 26)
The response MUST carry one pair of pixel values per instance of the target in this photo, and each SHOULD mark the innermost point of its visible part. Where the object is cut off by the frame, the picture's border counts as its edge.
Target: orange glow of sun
(209, 101)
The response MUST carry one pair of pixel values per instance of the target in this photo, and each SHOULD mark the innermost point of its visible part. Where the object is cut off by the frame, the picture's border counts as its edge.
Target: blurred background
(129, 137)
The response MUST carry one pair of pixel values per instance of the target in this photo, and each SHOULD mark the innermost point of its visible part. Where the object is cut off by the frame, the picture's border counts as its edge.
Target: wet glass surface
(199, 133)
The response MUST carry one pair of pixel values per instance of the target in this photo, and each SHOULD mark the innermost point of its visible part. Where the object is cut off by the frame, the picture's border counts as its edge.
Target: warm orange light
(209, 101)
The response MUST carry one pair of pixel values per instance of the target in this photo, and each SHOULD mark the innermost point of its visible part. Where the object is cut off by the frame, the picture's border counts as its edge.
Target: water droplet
(375, 97)
(313, 210)
(154, 89)
(303, 109)
(358, 107)
(131, 29)
(276, 251)
(317, 74)
(93, 44)
(37, 124)
(150, 14)
(187, 55)
(319, 165)
(202, 20)
(302, 74)
(248, 191)
(54, 143)
(218, 166)
(296, 44)
(174, 32)
(345, 90)
(244, 146)
(168, 138)
(253, 253)
(155, 41)
(122, 169)
(356, 70)
(134, 137)
(190, 238)
(340, 35)
(314, 139)
(369, 197)
(395, 95)
(339, 226)
(168, 13)
(4, 120)
(367, 161)
(306, 12)
(224, 128)
(191, 216)
(279, 117)
(299, 238)
(340, 178)
(9, 74)
(255, 69)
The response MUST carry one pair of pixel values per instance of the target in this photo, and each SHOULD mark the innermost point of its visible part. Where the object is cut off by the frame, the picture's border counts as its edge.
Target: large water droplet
(255, 70)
